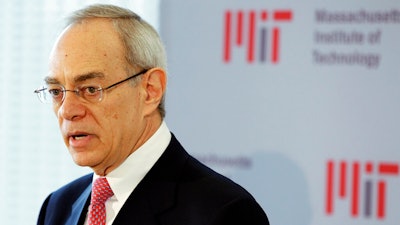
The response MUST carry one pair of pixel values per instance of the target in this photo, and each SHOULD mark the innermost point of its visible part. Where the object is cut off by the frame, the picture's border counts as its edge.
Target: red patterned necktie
(101, 191)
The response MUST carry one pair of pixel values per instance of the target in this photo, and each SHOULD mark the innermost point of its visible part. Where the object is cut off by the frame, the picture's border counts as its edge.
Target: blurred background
(296, 101)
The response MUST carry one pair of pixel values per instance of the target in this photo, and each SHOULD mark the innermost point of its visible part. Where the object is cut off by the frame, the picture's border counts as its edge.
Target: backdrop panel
(297, 101)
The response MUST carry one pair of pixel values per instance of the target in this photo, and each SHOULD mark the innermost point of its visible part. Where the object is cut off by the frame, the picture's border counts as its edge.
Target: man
(107, 81)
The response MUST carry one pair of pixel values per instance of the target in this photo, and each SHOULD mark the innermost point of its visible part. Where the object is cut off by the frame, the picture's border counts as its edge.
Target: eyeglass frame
(77, 91)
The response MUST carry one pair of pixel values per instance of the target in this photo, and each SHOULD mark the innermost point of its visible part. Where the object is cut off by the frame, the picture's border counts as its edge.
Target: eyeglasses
(55, 93)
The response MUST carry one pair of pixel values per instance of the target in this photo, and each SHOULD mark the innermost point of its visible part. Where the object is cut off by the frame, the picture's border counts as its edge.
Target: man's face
(101, 134)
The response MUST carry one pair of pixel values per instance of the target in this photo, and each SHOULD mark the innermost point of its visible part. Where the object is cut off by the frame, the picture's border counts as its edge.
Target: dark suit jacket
(178, 190)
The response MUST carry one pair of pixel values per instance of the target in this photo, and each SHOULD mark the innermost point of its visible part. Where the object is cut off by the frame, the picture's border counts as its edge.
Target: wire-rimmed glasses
(55, 93)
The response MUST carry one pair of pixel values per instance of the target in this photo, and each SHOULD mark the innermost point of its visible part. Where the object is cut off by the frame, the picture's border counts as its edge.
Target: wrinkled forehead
(86, 48)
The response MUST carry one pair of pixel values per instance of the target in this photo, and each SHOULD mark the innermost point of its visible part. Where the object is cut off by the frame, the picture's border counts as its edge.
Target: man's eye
(91, 90)
(55, 92)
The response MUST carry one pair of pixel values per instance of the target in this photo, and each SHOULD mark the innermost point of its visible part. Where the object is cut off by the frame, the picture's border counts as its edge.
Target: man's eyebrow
(88, 76)
(51, 80)
(77, 79)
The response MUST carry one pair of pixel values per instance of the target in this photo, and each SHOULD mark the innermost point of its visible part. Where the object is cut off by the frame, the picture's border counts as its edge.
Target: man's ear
(154, 83)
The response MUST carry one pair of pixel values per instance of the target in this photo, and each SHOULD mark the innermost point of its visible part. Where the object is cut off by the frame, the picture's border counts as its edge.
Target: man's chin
(82, 159)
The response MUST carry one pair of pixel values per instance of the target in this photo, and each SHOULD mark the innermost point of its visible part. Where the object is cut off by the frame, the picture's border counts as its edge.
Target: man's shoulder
(195, 176)
(66, 203)
(208, 180)
(217, 197)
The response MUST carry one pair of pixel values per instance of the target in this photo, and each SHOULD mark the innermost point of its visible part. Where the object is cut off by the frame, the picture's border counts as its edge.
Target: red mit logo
(241, 26)
(337, 175)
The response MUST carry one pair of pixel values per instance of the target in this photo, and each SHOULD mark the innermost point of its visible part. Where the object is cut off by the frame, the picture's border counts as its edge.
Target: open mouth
(79, 136)
(79, 139)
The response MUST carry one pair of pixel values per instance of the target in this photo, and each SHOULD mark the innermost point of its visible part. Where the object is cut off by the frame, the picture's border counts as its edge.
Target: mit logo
(374, 191)
(243, 28)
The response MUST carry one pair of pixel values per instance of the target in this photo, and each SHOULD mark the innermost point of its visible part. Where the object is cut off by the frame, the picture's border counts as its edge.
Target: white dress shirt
(124, 179)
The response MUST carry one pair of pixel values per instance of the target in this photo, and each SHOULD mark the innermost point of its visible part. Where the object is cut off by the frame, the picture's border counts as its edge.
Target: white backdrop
(274, 93)
(33, 158)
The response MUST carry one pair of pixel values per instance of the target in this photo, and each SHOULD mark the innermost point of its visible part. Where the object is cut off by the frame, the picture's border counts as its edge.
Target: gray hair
(144, 48)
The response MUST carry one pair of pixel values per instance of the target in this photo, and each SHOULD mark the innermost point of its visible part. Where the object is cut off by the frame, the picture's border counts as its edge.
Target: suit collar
(156, 192)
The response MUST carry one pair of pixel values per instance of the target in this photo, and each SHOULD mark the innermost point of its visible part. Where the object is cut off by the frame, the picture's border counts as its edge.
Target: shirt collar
(124, 179)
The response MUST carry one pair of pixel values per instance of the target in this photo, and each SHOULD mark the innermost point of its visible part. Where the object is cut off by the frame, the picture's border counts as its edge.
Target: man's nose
(71, 107)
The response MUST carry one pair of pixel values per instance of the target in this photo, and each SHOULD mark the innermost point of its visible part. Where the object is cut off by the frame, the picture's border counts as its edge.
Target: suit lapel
(156, 192)
(79, 208)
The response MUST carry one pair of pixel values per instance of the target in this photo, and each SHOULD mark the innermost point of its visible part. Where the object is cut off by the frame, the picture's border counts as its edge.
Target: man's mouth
(79, 136)
(79, 139)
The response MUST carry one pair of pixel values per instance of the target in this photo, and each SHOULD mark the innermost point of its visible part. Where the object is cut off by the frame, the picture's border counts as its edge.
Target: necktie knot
(101, 191)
